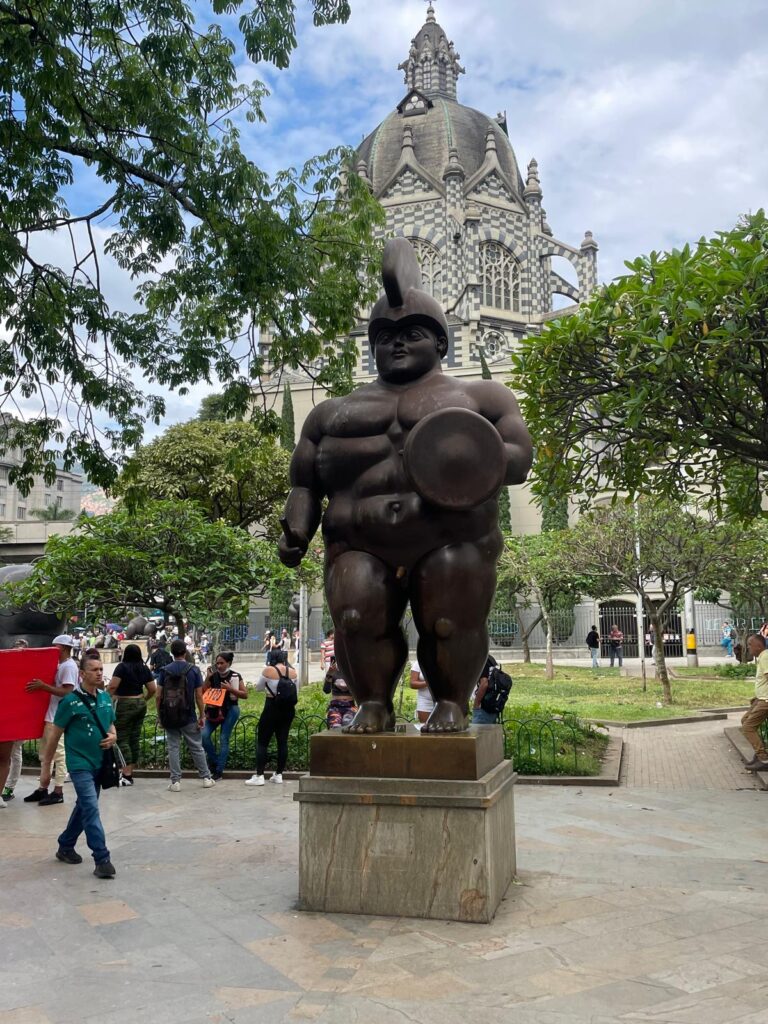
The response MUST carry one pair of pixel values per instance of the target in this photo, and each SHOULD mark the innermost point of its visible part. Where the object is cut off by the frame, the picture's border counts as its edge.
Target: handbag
(112, 761)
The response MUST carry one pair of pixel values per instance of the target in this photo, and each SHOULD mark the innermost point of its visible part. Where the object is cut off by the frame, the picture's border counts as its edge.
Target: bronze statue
(411, 465)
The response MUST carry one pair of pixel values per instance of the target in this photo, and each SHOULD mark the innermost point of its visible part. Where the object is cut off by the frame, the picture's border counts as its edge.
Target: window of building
(431, 263)
(500, 274)
(2, 510)
(21, 512)
(59, 485)
(59, 501)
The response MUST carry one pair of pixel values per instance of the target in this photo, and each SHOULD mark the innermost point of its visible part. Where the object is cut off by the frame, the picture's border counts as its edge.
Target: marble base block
(407, 847)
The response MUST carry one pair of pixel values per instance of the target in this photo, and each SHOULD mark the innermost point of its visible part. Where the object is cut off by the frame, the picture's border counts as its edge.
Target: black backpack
(495, 697)
(285, 693)
(174, 710)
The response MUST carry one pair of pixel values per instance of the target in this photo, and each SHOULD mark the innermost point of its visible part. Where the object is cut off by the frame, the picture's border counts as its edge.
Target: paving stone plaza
(640, 903)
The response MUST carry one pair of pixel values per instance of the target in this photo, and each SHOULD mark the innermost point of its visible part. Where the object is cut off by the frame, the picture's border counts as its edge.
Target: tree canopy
(234, 471)
(120, 133)
(165, 555)
(659, 384)
(657, 551)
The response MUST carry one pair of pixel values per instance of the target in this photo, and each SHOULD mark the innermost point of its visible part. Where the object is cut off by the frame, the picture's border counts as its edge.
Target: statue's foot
(446, 717)
(372, 716)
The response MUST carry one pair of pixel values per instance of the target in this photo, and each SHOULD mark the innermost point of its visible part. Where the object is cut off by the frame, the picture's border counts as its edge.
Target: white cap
(63, 640)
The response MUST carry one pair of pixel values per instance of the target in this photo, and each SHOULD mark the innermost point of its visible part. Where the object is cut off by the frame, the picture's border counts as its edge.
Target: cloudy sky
(648, 118)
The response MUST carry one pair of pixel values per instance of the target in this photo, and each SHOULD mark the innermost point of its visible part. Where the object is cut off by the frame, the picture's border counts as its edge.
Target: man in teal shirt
(84, 747)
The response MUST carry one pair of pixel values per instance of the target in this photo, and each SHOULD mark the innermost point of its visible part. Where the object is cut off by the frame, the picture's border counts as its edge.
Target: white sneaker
(255, 780)
(174, 787)
(208, 783)
(2, 803)
(277, 778)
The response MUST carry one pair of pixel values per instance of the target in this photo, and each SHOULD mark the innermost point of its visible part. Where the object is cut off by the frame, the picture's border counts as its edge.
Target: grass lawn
(604, 694)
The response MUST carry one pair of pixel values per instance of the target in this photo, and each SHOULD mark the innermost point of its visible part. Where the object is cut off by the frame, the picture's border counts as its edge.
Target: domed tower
(449, 180)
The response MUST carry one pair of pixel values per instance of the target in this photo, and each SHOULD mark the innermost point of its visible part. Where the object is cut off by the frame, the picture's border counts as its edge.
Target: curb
(738, 741)
(609, 775)
(649, 723)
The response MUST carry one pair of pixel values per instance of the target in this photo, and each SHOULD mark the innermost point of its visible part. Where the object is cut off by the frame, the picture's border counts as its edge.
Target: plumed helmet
(404, 301)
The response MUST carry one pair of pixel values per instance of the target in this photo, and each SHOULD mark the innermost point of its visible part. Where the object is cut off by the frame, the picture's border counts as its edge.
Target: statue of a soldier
(411, 465)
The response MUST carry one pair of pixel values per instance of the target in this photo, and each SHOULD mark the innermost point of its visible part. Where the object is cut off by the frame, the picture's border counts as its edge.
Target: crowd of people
(85, 718)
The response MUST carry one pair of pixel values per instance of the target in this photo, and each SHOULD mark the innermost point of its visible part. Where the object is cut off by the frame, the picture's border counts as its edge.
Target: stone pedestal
(421, 846)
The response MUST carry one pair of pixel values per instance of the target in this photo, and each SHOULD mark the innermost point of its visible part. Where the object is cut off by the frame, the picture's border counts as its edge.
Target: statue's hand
(291, 554)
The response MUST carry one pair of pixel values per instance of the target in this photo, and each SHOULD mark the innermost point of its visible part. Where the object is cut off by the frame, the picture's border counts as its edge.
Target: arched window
(431, 263)
(500, 274)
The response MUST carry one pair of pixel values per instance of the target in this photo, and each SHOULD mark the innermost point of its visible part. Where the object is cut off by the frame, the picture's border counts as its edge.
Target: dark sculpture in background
(37, 628)
(411, 465)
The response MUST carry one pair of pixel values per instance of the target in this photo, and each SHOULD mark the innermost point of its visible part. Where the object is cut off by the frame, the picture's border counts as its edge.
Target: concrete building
(28, 533)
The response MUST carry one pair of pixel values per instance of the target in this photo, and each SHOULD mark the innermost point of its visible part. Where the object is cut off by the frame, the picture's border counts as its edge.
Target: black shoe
(126, 780)
(68, 856)
(35, 796)
(51, 798)
(217, 775)
(105, 870)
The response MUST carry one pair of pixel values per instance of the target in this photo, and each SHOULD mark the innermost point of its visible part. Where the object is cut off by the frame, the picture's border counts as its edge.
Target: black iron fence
(546, 745)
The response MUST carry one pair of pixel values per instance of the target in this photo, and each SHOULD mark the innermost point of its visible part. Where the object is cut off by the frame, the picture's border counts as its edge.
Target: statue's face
(406, 353)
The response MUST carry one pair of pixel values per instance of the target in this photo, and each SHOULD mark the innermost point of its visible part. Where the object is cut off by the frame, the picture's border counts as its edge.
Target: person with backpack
(491, 694)
(159, 657)
(223, 712)
(280, 686)
(179, 692)
(593, 644)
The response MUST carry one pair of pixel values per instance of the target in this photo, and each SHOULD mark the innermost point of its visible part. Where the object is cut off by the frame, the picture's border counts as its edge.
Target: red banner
(22, 714)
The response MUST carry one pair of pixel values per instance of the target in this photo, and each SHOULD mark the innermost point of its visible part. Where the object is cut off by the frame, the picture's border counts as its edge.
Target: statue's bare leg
(451, 593)
(367, 601)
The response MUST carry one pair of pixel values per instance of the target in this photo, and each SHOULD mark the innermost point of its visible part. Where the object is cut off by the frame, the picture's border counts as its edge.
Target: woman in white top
(424, 701)
(278, 681)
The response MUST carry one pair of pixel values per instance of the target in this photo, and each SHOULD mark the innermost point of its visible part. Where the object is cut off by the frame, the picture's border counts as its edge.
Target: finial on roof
(532, 185)
(430, 13)
(589, 242)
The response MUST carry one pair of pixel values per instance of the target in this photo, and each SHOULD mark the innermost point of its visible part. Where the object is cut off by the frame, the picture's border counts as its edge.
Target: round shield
(455, 459)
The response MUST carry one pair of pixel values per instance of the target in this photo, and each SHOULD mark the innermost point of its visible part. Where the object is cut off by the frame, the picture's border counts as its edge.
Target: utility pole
(691, 653)
(303, 630)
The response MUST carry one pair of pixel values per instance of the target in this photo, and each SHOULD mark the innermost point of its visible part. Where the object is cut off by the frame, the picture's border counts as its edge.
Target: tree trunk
(658, 654)
(525, 633)
(549, 672)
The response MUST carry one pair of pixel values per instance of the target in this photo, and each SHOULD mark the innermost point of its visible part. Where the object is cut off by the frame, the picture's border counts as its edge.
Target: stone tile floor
(638, 904)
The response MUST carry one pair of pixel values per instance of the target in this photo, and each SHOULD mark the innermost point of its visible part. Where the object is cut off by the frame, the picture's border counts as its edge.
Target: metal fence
(546, 745)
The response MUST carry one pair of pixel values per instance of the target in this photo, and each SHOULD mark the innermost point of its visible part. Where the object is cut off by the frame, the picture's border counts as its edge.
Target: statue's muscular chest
(371, 426)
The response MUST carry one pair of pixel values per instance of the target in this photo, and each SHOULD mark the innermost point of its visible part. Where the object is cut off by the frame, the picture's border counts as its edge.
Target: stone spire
(432, 65)
(533, 185)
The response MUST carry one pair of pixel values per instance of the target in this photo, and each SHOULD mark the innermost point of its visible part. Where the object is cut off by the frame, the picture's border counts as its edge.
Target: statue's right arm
(303, 507)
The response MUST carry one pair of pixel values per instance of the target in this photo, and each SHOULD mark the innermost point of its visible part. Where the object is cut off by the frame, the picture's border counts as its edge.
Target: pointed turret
(432, 65)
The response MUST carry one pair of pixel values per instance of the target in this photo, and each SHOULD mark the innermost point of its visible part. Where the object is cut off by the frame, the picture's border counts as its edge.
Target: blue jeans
(482, 717)
(220, 761)
(595, 651)
(85, 817)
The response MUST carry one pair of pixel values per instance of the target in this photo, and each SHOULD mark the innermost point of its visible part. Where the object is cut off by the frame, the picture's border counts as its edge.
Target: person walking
(131, 687)
(424, 702)
(616, 644)
(758, 708)
(52, 753)
(279, 684)
(221, 676)
(179, 692)
(84, 748)
(727, 639)
(593, 643)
